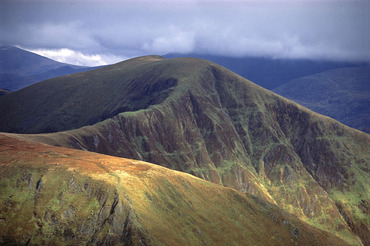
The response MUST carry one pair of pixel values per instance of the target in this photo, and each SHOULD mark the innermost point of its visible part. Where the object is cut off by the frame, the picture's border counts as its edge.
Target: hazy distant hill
(18, 61)
(20, 68)
(268, 72)
(195, 116)
(343, 94)
(4, 92)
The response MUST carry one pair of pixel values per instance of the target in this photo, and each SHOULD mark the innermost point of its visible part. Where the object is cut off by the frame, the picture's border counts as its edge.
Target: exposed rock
(39, 184)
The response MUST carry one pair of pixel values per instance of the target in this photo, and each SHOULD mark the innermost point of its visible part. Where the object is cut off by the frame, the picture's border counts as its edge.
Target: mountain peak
(197, 117)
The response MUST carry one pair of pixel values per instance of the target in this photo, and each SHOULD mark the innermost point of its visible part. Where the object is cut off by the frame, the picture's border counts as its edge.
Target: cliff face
(70, 197)
(197, 117)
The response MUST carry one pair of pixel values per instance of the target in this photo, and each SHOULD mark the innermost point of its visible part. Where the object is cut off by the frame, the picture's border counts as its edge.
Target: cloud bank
(77, 58)
(333, 29)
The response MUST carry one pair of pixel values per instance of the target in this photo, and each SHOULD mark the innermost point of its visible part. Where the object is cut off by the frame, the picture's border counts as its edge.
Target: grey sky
(112, 30)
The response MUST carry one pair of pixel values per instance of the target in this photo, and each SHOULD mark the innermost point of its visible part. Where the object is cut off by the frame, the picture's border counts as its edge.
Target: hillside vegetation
(60, 196)
(197, 117)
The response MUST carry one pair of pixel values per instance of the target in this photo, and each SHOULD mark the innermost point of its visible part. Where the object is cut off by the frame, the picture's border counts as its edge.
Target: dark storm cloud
(335, 29)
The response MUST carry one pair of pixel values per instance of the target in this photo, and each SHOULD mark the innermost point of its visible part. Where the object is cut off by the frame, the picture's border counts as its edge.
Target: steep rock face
(221, 127)
(63, 196)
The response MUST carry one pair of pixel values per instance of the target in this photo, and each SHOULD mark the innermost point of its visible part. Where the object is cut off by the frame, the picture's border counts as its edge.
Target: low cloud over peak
(335, 29)
(77, 58)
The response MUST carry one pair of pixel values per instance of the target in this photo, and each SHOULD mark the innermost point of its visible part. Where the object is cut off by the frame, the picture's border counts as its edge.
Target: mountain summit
(195, 116)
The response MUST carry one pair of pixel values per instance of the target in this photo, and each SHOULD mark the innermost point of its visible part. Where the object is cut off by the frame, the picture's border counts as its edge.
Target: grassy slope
(222, 128)
(343, 94)
(66, 196)
(56, 104)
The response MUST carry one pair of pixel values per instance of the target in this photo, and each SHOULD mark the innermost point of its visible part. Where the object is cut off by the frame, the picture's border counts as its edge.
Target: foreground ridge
(64, 196)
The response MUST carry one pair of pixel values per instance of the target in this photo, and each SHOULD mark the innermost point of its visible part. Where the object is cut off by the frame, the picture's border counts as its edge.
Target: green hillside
(197, 117)
(76, 100)
(61, 196)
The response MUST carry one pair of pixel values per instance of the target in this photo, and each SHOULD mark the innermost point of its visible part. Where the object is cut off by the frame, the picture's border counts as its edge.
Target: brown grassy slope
(200, 118)
(64, 196)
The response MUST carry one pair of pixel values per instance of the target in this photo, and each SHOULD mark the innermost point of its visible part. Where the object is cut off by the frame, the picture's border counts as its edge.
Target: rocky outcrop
(72, 211)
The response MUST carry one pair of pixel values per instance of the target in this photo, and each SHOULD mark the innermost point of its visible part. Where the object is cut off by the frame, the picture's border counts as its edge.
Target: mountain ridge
(200, 118)
(271, 72)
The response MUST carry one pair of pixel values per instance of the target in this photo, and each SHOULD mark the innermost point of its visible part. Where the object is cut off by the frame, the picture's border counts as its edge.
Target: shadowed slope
(225, 129)
(343, 94)
(76, 100)
(70, 197)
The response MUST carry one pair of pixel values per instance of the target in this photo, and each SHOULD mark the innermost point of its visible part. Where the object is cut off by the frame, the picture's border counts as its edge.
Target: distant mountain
(18, 61)
(4, 92)
(20, 68)
(269, 72)
(343, 94)
(197, 117)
